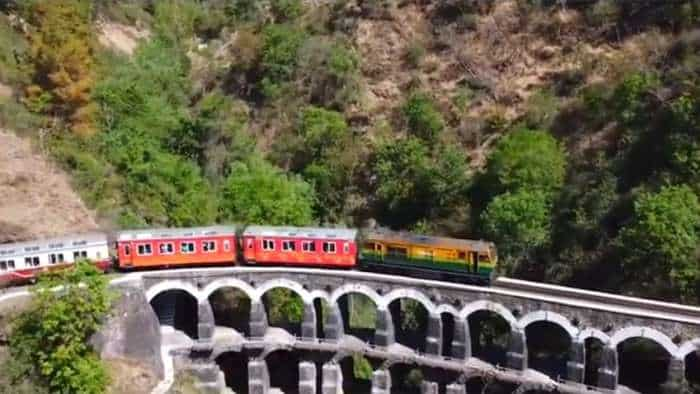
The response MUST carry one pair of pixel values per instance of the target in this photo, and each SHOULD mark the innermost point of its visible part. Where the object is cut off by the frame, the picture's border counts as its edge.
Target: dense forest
(585, 172)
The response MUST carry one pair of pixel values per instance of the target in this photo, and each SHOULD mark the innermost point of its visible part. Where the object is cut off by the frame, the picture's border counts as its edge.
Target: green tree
(322, 131)
(258, 192)
(422, 117)
(284, 306)
(52, 338)
(526, 160)
(279, 56)
(402, 171)
(661, 241)
(61, 53)
(518, 222)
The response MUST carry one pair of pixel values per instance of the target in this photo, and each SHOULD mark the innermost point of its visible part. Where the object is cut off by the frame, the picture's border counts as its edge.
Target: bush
(517, 222)
(286, 10)
(52, 339)
(526, 160)
(415, 52)
(662, 238)
(279, 55)
(256, 192)
(422, 117)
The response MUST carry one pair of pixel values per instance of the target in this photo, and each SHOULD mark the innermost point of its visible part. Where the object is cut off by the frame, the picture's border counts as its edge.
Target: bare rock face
(132, 331)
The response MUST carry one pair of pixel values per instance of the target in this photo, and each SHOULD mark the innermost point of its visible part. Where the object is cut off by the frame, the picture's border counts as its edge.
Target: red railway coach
(215, 245)
(22, 262)
(303, 246)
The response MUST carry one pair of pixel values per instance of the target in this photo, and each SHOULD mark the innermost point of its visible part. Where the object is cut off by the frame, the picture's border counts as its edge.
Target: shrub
(286, 10)
(422, 117)
(279, 55)
(257, 192)
(526, 160)
(415, 52)
(52, 339)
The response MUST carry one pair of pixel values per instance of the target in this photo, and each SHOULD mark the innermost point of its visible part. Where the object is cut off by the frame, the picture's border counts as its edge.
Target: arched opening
(178, 309)
(231, 307)
(692, 371)
(405, 379)
(490, 334)
(479, 384)
(410, 320)
(284, 309)
(548, 347)
(357, 374)
(359, 314)
(234, 365)
(322, 309)
(594, 358)
(643, 364)
(448, 332)
(283, 367)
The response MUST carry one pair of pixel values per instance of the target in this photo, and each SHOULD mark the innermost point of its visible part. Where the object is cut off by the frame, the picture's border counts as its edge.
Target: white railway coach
(21, 262)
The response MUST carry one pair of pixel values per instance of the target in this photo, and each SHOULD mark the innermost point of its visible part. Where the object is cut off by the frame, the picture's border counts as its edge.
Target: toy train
(430, 257)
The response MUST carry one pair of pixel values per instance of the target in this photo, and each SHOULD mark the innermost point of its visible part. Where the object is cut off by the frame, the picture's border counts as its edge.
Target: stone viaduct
(583, 317)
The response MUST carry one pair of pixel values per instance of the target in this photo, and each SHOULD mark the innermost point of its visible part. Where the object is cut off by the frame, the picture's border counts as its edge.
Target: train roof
(301, 232)
(168, 233)
(454, 243)
(45, 245)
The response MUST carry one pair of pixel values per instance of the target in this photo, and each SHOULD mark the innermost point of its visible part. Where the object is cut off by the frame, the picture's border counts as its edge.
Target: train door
(474, 256)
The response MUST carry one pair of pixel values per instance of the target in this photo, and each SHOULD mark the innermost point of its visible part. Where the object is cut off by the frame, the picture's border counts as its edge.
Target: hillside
(567, 132)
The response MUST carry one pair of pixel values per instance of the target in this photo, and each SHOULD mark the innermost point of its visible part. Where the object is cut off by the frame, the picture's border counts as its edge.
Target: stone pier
(308, 324)
(384, 332)
(456, 388)
(258, 377)
(307, 377)
(427, 387)
(381, 382)
(433, 341)
(576, 366)
(334, 327)
(258, 319)
(461, 340)
(205, 321)
(332, 382)
(607, 373)
(517, 351)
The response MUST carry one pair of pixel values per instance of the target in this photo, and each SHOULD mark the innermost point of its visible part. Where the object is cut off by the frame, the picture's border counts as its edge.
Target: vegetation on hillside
(584, 170)
(49, 343)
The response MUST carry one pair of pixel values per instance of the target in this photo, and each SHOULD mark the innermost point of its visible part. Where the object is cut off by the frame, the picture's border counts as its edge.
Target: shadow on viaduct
(465, 324)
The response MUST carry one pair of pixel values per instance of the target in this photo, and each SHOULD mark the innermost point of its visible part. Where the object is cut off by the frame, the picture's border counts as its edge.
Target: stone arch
(229, 282)
(446, 308)
(286, 284)
(593, 333)
(356, 288)
(408, 293)
(644, 332)
(552, 317)
(166, 285)
(687, 348)
(492, 307)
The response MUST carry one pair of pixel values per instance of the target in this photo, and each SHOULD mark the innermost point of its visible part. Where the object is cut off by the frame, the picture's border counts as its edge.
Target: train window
(484, 258)
(346, 247)
(3, 265)
(398, 252)
(83, 253)
(462, 255)
(308, 246)
(369, 245)
(209, 246)
(11, 264)
(268, 244)
(61, 258)
(329, 247)
(53, 259)
(31, 261)
(166, 248)
(27, 261)
(227, 245)
(288, 246)
(144, 249)
(127, 250)
(187, 247)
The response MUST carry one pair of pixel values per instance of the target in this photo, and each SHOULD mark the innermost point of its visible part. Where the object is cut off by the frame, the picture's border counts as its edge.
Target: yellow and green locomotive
(467, 261)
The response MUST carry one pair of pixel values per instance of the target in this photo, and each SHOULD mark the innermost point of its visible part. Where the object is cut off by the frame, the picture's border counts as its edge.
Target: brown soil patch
(129, 377)
(120, 37)
(36, 199)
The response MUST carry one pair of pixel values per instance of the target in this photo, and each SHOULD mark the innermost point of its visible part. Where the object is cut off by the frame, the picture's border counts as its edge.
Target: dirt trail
(36, 199)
